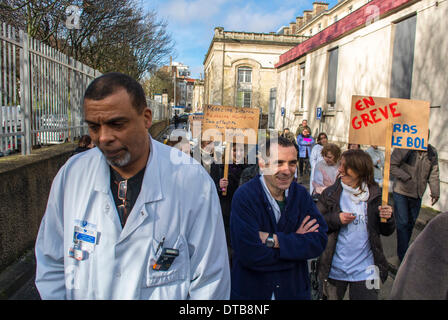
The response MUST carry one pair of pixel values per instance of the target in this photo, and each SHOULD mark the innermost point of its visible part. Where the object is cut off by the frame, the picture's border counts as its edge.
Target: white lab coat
(178, 201)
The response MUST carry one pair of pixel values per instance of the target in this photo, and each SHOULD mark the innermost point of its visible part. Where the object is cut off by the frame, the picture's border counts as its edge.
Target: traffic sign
(318, 113)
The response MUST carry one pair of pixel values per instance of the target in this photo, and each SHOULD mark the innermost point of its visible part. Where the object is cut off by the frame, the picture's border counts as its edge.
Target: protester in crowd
(290, 136)
(226, 187)
(303, 125)
(252, 170)
(285, 132)
(354, 146)
(305, 142)
(378, 163)
(121, 221)
(413, 170)
(84, 144)
(423, 273)
(352, 209)
(176, 120)
(316, 155)
(326, 169)
(275, 228)
(179, 140)
(205, 153)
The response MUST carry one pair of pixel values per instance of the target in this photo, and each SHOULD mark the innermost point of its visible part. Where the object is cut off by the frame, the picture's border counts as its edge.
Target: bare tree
(113, 35)
(160, 81)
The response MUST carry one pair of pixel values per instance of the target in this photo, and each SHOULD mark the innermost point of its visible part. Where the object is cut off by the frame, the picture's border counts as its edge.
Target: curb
(16, 275)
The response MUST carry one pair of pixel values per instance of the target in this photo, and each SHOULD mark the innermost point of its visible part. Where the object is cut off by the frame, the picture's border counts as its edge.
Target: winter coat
(305, 144)
(413, 170)
(423, 272)
(259, 271)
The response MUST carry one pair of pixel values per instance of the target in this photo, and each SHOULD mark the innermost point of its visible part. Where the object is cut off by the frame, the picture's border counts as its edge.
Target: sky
(191, 23)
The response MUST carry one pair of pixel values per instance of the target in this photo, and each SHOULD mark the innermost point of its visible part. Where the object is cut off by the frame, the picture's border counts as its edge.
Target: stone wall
(25, 183)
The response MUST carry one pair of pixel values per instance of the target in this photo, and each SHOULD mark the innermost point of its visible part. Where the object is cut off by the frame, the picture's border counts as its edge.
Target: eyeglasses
(122, 191)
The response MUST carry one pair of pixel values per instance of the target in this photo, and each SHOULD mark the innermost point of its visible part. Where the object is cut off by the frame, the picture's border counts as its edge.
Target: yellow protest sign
(233, 123)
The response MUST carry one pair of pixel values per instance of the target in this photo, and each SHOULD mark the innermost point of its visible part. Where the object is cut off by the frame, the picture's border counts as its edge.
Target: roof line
(342, 27)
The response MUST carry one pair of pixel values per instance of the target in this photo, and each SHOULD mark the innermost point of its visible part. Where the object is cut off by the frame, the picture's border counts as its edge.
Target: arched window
(244, 87)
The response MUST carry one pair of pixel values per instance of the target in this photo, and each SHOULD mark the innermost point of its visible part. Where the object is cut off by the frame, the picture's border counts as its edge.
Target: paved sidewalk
(18, 276)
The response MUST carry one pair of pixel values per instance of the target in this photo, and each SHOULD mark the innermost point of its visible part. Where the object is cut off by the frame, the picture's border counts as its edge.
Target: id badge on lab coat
(85, 238)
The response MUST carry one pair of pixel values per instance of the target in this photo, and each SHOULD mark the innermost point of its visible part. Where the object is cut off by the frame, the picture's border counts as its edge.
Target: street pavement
(17, 281)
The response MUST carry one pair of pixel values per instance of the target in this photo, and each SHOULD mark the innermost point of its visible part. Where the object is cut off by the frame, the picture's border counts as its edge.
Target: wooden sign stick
(385, 197)
(226, 166)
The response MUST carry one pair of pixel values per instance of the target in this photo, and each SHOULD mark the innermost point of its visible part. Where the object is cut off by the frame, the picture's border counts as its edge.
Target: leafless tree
(113, 35)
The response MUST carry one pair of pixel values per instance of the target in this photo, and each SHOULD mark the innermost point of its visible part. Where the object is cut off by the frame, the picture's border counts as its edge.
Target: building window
(302, 86)
(332, 76)
(403, 58)
(350, 9)
(335, 18)
(245, 75)
(244, 87)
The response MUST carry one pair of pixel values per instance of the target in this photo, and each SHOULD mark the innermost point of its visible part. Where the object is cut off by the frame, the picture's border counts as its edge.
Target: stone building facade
(239, 67)
(198, 95)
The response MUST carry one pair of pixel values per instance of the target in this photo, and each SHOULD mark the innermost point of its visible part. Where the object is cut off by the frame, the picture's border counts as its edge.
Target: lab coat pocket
(176, 272)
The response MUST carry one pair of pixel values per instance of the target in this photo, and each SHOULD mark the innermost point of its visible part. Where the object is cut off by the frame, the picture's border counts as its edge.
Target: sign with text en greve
(370, 116)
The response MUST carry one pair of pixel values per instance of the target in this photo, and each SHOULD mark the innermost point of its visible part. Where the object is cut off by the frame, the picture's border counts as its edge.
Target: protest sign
(230, 124)
(370, 117)
(233, 123)
(389, 122)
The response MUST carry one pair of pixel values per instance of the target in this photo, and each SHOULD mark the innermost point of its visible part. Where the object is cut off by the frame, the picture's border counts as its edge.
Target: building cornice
(346, 25)
(322, 14)
(253, 38)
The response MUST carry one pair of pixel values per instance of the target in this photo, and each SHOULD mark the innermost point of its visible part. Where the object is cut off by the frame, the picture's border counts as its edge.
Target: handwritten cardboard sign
(233, 123)
(370, 117)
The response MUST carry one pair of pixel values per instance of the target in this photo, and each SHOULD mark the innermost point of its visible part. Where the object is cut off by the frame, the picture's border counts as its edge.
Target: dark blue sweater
(257, 270)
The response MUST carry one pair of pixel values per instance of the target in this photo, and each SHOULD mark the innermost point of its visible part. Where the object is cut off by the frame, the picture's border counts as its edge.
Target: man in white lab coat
(131, 218)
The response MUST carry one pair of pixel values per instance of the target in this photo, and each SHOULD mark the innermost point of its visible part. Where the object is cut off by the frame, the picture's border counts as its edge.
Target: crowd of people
(124, 221)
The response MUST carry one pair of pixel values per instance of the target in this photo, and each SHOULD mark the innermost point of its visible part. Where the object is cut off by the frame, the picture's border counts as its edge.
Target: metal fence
(160, 111)
(40, 93)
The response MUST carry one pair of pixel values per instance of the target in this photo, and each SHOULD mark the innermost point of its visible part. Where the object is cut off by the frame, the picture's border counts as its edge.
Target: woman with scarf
(354, 256)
